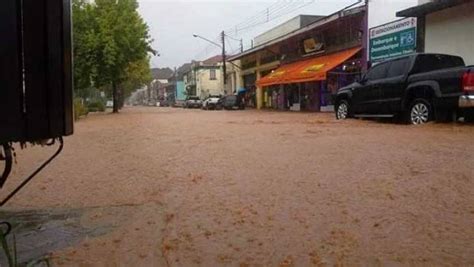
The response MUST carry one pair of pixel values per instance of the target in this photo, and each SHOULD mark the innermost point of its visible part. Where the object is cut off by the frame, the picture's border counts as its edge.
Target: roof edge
(431, 7)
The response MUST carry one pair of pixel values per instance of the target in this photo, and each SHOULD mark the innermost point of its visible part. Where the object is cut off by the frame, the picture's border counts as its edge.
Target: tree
(123, 40)
(112, 46)
(84, 44)
(138, 73)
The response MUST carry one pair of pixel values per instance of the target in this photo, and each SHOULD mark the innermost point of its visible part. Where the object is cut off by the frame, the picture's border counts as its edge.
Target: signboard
(392, 39)
(310, 45)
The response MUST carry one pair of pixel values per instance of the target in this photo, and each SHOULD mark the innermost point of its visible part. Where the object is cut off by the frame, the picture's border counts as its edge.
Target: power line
(257, 15)
(275, 15)
(229, 44)
(209, 48)
(272, 12)
(262, 16)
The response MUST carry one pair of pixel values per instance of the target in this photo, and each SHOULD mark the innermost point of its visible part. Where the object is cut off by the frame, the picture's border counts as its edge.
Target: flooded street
(177, 187)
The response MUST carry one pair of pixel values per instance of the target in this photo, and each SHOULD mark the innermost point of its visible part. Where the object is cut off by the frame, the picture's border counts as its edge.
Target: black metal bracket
(8, 228)
(3, 242)
(27, 180)
(7, 156)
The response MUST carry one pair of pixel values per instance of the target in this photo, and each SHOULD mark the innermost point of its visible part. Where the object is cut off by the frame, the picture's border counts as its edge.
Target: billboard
(392, 39)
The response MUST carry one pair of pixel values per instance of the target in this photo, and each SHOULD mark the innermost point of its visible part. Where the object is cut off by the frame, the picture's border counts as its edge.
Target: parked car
(417, 87)
(193, 102)
(230, 102)
(210, 102)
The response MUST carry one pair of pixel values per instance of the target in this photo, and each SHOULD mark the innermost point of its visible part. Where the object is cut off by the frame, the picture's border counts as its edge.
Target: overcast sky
(172, 23)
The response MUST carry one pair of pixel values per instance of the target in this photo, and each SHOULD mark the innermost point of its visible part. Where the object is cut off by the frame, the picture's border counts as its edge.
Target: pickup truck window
(377, 72)
(428, 62)
(398, 67)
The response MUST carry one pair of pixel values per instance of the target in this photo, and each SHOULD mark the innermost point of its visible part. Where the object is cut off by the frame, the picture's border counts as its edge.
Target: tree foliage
(137, 74)
(111, 46)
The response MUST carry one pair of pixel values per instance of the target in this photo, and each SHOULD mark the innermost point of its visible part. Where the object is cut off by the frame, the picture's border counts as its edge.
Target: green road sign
(393, 39)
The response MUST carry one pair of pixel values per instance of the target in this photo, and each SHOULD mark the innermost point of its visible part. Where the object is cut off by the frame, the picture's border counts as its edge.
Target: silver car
(193, 102)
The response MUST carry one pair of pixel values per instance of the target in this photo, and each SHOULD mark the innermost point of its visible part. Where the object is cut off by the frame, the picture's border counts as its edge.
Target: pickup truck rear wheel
(420, 112)
(342, 112)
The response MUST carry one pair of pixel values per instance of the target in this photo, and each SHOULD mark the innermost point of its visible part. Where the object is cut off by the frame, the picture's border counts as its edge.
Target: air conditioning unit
(35, 70)
(36, 88)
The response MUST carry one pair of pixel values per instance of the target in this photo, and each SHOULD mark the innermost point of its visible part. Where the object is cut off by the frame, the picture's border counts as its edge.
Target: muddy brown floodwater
(174, 187)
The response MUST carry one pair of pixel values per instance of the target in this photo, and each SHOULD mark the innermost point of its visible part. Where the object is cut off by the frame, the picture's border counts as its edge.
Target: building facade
(291, 25)
(302, 69)
(205, 78)
(445, 27)
(384, 11)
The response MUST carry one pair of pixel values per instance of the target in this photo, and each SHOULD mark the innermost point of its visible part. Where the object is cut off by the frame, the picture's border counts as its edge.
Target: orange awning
(314, 69)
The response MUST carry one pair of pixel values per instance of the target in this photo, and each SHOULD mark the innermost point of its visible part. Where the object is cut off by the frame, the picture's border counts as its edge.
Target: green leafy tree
(111, 48)
(138, 73)
(123, 40)
(84, 45)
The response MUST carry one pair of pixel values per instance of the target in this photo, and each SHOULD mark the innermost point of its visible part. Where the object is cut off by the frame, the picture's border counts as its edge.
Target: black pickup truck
(418, 88)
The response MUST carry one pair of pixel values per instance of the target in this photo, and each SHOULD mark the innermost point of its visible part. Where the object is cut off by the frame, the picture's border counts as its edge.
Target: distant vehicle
(179, 103)
(163, 103)
(230, 102)
(417, 87)
(210, 102)
(109, 104)
(192, 102)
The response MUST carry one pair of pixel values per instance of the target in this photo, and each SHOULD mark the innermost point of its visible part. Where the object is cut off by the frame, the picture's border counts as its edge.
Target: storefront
(309, 85)
(249, 85)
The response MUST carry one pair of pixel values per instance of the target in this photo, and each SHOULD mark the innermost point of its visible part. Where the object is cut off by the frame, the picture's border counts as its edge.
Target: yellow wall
(205, 86)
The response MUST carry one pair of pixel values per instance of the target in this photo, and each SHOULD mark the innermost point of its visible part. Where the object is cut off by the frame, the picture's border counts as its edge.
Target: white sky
(172, 24)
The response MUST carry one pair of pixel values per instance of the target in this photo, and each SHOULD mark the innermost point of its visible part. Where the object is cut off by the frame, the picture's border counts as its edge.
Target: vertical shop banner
(392, 39)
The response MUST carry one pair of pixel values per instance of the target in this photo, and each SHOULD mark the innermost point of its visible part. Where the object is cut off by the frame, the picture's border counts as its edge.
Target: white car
(109, 104)
(210, 102)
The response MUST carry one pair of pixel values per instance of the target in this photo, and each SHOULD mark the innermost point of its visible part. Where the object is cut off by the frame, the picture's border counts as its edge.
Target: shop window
(249, 65)
(268, 59)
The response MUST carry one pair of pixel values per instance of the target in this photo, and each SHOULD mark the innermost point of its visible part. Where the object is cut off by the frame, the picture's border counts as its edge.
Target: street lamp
(205, 39)
(224, 69)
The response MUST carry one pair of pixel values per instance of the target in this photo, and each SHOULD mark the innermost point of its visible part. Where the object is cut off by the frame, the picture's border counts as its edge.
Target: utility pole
(224, 69)
(241, 45)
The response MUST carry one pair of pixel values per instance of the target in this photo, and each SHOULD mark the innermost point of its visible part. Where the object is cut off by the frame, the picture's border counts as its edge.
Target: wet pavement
(174, 187)
(36, 233)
